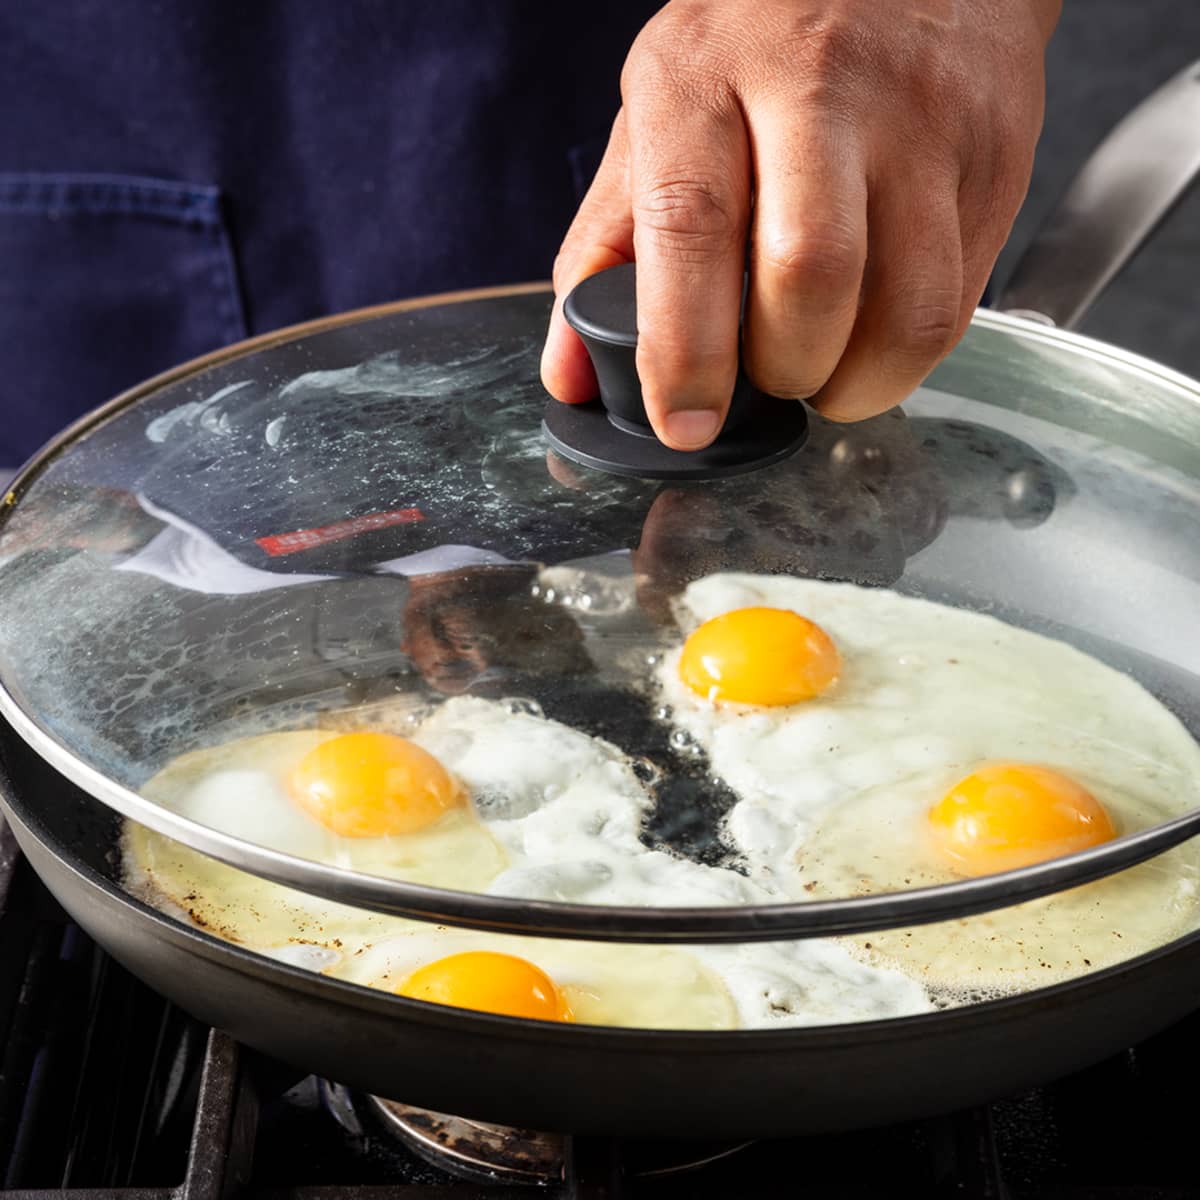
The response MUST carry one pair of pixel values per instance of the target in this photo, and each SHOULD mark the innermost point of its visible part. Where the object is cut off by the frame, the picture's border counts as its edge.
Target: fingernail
(692, 427)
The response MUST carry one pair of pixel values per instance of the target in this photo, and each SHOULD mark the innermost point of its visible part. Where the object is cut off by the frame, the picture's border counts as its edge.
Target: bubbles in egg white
(582, 845)
(833, 791)
(556, 815)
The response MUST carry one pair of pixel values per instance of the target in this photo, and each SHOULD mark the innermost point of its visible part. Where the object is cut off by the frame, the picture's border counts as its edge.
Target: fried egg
(491, 982)
(938, 744)
(652, 987)
(255, 789)
(511, 803)
(886, 839)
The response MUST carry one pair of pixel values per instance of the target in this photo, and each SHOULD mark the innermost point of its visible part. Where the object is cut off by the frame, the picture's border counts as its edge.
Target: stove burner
(475, 1149)
(480, 1151)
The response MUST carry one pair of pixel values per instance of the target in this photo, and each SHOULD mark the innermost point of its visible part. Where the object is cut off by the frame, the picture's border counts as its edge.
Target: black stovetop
(108, 1090)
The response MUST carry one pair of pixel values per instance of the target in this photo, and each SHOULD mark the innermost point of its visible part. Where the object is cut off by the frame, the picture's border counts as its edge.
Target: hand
(873, 156)
(103, 520)
(467, 628)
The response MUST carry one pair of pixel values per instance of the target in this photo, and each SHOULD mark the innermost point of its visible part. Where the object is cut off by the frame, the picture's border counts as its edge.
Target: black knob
(603, 311)
(614, 434)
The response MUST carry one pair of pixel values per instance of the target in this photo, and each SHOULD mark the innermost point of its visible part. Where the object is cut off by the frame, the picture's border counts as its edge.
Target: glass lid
(327, 608)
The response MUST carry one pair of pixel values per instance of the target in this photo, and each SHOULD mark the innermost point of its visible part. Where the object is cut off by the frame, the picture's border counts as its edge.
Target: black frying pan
(575, 1077)
(642, 1082)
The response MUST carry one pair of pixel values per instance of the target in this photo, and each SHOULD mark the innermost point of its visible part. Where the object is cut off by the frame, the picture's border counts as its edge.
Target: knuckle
(829, 57)
(668, 359)
(688, 214)
(671, 76)
(926, 329)
(780, 367)
(669, 369)
(818, 255)
(997, 163)
(679, 46)
(788, 381)
(831, 47)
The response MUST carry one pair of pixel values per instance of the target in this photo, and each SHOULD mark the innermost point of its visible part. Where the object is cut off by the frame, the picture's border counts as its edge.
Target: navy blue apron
(177, 176)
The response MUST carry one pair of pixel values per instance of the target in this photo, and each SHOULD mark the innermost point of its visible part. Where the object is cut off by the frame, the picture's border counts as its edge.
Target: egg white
(556, 815)
(833, 791)
(878, 842)
(603, 983)
(241, 789)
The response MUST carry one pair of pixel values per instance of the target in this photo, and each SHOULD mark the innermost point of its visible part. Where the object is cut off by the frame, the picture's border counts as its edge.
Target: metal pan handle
(1132, 180)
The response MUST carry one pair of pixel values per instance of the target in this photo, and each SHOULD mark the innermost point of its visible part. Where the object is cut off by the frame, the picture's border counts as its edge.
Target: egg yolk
(1009, 815)
(490, 982)
(763, 656)
(372, 785)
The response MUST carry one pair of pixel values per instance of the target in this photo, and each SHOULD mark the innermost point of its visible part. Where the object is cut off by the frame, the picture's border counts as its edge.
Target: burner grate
(107, 1092)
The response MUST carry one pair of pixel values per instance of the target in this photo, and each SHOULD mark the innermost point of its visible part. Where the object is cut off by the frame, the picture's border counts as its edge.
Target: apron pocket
(104, 281)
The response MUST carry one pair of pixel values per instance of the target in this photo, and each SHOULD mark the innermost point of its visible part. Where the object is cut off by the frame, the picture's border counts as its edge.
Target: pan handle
(1132, 180)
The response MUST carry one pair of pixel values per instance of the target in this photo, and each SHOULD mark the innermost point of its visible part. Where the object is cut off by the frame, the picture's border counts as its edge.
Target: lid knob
(614, 433)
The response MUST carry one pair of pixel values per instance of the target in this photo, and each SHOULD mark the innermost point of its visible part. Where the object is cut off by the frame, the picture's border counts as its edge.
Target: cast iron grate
(109, 1092)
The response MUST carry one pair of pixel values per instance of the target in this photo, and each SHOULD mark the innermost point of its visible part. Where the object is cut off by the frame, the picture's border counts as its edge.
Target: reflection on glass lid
(360, 533)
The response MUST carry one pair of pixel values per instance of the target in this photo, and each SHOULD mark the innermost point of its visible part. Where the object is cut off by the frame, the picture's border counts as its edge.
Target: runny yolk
(764, 656)
(372, 785)
(490, 982)
(1008, 815)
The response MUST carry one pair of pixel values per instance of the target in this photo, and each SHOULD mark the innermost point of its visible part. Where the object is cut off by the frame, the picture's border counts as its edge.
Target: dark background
(253, 189)
(1106, 56)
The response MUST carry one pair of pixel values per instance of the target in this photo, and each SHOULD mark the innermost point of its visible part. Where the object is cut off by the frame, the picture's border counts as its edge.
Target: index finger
(690, 189)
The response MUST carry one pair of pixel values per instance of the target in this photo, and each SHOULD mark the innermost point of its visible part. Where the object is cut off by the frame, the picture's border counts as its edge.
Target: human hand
(466, 627)
(873, 156)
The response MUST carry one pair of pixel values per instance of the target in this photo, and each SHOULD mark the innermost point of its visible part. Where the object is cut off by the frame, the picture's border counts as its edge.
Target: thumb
(600, 236)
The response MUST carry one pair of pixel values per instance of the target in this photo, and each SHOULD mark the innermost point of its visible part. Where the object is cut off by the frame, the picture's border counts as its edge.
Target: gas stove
(110, 1092)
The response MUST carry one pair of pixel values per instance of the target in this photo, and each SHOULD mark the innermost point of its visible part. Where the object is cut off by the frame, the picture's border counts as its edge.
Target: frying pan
(579, 1078)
